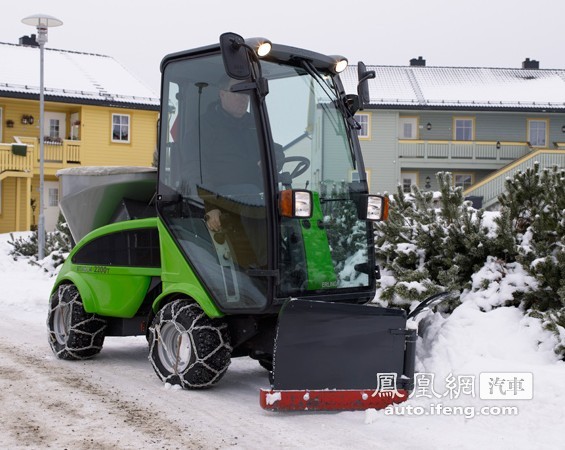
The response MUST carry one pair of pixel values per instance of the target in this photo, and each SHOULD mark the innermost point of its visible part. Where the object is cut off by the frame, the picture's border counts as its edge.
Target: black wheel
(188, 348)
(266, 364)
(73, 333)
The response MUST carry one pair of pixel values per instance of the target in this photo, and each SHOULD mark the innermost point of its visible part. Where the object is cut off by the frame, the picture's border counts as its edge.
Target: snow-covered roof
(462, 87)
(71, 76)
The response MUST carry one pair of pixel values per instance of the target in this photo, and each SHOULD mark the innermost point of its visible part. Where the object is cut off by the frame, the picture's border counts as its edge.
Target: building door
(408, 179)
(51, 203)
(1, 121)
(408, 128)
(55, 125)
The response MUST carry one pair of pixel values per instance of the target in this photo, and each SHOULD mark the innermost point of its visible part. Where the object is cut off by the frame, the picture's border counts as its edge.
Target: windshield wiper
(313, 72)
(350, 120)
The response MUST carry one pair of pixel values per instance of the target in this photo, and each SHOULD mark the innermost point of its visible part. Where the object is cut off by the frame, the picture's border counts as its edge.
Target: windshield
(322, 252)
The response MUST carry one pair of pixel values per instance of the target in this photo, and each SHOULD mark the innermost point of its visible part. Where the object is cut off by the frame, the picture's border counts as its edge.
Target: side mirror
(363, 76)
(352, 103)
(234, 54)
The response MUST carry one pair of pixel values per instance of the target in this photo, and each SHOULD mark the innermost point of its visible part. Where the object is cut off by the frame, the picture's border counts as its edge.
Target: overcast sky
(138, 33)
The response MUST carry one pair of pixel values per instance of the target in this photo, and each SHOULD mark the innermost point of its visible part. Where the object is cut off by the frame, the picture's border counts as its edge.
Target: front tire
(73, 333)
(188, 348)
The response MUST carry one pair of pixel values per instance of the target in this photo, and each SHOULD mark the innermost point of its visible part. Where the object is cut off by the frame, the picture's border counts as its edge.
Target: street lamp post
(41, 22)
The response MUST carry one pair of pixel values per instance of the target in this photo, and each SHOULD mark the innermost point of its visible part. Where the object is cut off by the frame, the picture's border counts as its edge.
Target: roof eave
(81, 101)
(451, 107)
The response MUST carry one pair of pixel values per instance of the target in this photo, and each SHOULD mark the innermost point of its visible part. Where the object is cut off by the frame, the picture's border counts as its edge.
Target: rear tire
(73, 333)
(188, 348)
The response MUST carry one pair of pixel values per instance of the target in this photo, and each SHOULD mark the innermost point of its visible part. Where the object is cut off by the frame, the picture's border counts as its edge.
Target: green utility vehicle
(253, 237)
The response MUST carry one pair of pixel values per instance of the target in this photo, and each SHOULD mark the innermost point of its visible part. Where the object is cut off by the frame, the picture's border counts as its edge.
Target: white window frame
(55, 125)
(533, 140)
(457, 125)
(364, 119)
(53, 197)
(463, 184)
(121, 126)
(413, 122)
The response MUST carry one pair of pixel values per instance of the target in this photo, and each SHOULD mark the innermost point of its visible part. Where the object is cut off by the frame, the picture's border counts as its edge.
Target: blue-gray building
(480, 123)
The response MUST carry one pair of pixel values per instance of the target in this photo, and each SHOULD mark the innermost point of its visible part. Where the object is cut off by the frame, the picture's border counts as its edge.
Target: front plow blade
(327, 400)
(332, 356)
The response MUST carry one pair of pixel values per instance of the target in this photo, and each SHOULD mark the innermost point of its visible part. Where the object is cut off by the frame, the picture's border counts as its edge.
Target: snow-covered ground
(116, 401)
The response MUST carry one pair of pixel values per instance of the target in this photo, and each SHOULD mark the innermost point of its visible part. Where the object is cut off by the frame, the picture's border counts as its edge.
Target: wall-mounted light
(563, 129)
(428, 183)
(27, 119)
(498, 145)
(10, 123)
(429, 126)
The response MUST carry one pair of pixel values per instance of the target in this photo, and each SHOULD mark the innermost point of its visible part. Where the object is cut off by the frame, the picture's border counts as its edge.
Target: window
(54, 128)
(537, 132)
(463, 180)
(120, 128)
(139, 248)
(408, 128)
(355, 177)
(53, 197)
(463, 129)
(363, 120)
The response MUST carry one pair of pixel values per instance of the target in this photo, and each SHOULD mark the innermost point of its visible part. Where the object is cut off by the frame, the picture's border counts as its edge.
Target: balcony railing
(457, 150)
(61, 153)
(16, 158)
(491, 187)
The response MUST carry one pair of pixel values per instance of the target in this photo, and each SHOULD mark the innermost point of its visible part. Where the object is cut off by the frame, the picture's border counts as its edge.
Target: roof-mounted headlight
(340, 63)
(259, 45)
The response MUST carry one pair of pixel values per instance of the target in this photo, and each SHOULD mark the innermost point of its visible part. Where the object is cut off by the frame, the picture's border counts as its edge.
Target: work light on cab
(260, 45)
(377, 207)
(340, 63)
(296, 203)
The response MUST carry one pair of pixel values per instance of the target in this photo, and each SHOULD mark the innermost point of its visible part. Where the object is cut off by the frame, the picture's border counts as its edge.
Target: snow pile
(476, 338)
(25, 285)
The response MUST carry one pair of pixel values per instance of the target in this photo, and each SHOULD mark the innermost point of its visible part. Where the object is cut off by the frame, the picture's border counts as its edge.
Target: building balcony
(458, 154)
(16, 160)
(58, 154)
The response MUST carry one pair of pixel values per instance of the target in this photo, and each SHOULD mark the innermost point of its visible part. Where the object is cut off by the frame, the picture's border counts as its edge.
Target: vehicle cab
(261, 180)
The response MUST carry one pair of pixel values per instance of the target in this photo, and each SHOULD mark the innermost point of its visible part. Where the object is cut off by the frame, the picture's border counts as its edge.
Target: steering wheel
(301, 167)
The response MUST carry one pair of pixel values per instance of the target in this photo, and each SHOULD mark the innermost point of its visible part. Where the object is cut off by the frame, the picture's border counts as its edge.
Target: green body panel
(321, 274)
(179, 278)
(109, 290)
(119, 291)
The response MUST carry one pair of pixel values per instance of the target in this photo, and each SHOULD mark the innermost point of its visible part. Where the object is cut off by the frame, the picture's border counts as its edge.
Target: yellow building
(96, 114)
